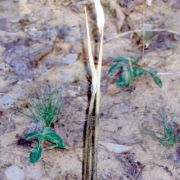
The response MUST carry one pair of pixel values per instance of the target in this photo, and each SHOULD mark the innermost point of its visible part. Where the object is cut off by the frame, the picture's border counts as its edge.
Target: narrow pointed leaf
(30, 135)
(56, 139)
(35, 155)
(126, 78)
(113, 68)
(158, 81)
(119, 82)
(120, 59)
(139, 71)
(132, 59)
(49, 135)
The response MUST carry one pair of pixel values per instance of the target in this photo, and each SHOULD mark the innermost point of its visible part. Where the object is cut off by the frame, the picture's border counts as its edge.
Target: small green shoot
(47, 107)
(169, 137)
(44, 110)
(127, 69)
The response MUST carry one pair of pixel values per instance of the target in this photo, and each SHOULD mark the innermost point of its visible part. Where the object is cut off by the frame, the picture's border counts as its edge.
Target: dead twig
(140, 30)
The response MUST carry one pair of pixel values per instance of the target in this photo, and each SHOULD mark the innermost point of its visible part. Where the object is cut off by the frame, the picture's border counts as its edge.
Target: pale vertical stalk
(91, 150)
(143, 34)
(88, 136)
(98, 95)
(100, 24)
(91, 59)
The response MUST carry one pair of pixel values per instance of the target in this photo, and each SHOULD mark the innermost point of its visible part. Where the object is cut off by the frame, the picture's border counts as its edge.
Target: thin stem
(141, 30)
(91, 59)
(88, 139)
(168, 73)
(98, 95)
(89, 133)
(143, 34)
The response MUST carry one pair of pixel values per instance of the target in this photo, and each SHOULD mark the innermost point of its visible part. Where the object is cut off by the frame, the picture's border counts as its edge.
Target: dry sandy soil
(43, 41)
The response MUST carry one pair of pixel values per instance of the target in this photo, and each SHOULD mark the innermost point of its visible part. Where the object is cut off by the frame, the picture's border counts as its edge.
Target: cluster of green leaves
(46, 135)
(169, 137)
(44, 110)
(128, 68)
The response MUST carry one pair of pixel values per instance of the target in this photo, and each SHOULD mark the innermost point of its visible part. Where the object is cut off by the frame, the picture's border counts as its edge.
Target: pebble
(6, 101)
(14, 173)
(70, 59)
(116, 148)
(22, 67)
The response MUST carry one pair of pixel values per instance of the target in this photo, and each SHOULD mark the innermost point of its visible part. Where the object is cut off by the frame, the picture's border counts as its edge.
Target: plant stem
(140, 30)
(88, 129)
(98, 95)
(91, 150)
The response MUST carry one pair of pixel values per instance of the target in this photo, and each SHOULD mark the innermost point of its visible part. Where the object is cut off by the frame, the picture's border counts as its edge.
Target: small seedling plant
(169, 137)
(45, 110)
(127, 69)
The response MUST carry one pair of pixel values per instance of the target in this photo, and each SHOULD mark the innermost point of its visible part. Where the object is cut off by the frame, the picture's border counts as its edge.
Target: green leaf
(153, 74)
(49, 135)
(157, 80)
(126, 78)
(35, 155)
(120, 59)
(31, 134)
(125, 59)
(133, 72)
(56, 139)
(132, 59)
(139, 71)
(119, 82)
(150, 70)
(113, 68)
(41, 137)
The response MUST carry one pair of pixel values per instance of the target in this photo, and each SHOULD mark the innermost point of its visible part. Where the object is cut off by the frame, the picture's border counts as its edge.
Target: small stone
(14, 173)
(70, 59)
(116, 148)
(22, 67)
(6, 101)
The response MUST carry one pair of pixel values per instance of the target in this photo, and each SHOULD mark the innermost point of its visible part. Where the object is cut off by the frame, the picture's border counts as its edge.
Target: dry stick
(88, 134)
(141, 30)
(143, 34)
(96, 83)
(98, 95)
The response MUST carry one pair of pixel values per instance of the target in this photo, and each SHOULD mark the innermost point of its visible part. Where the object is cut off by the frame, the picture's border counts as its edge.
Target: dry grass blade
(91, 59)
(88, 133)
(91, 148)
(98, 95)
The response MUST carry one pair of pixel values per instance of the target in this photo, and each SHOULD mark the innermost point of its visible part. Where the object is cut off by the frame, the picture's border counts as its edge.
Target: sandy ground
(43, 41)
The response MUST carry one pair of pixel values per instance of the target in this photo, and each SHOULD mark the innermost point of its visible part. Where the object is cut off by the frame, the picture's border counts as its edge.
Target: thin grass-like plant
(46, 107)
(91, 151)
(169, 137)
